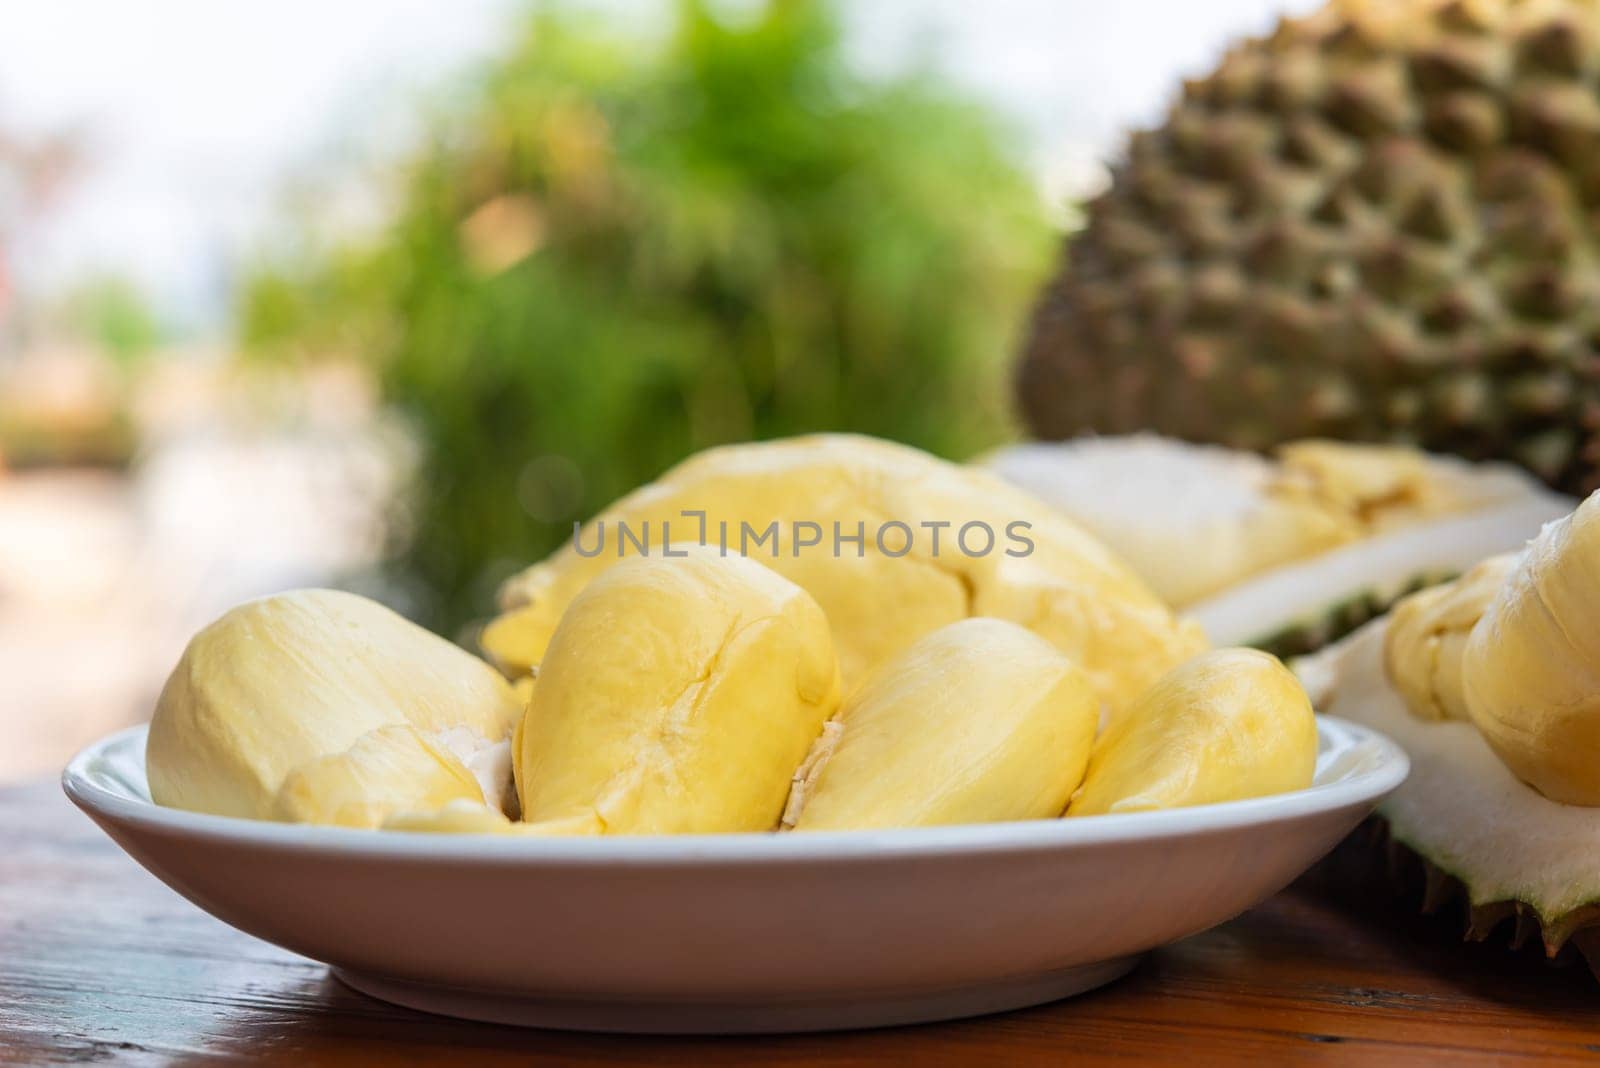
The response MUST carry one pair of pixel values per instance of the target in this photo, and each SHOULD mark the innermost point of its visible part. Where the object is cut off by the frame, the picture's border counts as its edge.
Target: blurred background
(386, 294)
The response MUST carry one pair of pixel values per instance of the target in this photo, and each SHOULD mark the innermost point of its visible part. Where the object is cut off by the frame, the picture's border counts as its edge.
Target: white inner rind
(1302, 592)
(1131, 478)
(1461, 808)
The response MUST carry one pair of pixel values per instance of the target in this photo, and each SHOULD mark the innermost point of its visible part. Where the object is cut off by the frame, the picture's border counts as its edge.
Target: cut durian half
(1147, 495)
(1513, 852)
(1200, 521)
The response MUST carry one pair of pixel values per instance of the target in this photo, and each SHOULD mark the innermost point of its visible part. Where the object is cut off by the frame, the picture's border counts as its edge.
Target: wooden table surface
(101, 963)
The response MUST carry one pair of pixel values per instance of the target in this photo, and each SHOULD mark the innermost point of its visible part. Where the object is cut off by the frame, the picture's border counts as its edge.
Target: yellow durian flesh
(1427, 637)
(1531, 670)
(1377, 488)
(1069, 588)
(979, 721)
(677, 696)
(389, 770)
(278, 683)
(1227, 725)
(465, 816)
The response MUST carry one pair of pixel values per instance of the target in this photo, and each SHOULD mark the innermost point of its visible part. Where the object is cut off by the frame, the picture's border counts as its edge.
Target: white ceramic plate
(739, 932)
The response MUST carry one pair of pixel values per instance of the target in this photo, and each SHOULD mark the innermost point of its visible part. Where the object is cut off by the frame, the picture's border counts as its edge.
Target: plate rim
(1365, 787)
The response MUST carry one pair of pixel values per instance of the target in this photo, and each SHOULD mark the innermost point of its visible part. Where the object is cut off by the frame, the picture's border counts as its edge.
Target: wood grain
(101, 963)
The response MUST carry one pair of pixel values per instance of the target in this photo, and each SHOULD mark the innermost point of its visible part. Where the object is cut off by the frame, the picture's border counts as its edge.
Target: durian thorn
(1482, 920)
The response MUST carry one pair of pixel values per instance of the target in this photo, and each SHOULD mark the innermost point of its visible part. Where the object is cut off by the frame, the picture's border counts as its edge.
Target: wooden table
(100, 962)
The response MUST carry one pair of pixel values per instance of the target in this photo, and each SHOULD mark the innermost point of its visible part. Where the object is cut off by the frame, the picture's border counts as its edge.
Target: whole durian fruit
(1377, 223)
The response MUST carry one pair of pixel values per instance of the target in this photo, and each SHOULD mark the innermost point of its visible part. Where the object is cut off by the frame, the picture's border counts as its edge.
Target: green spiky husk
(1377, 223)
(1373, 856)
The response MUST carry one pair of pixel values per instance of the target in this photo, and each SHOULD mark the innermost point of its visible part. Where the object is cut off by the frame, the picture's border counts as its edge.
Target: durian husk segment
(1531, 670)
(1461, 809)
(1069, 589)
(677, 696)
(978, 722)
(1227, 725)
(1195, 519)
(278, 683)
(1191, 519)
(1292, 604)
(1427, 638)
(1372, 856)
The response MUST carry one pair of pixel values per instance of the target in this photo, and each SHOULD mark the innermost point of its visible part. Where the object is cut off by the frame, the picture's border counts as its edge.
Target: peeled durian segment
(677, 696)
(283, 681)
(979, 721)
(464, 816)
(388, 770)
(1531, 671)
(1227, 725)
(1427, 637)
(1069, 588)
(454, 816)
(1194, 520)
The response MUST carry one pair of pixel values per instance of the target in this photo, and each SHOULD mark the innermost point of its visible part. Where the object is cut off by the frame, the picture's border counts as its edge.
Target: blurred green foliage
(617, 250)
(112, 313)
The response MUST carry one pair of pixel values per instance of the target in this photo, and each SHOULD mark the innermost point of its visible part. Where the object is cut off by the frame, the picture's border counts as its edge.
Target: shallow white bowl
(739, 932)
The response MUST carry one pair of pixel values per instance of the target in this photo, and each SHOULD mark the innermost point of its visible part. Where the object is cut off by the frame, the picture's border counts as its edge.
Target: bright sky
(197, 112)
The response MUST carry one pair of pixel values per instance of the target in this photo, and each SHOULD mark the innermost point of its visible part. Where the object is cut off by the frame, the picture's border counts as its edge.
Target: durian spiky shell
(1373, 856)
(1378, 223)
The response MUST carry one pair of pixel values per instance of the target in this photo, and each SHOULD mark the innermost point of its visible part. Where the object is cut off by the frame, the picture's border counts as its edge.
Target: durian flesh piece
(1427, 637)
(1384, 487)
(280, 683)
(388, 770)
(460, 815)
(1069, 588)
(677, 696)
(1227, 725)
(1531, 670)
(1194, 520)
(463, 815)
(979, 721)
